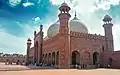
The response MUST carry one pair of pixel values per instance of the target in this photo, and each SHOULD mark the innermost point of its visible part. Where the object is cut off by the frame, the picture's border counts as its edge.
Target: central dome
(75, 25)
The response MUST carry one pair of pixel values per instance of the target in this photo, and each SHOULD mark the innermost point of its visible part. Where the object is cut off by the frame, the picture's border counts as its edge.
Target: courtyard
(4, 67)
(23, 70)
(63, 72)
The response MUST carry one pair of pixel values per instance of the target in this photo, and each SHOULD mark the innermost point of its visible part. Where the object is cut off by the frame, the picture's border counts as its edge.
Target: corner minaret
(64, 30)
(108, 33)
(41, 43)
(64, 17)
(28, 48)
(35, 58)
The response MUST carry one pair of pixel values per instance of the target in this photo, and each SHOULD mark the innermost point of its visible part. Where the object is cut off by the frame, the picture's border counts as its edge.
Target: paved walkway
(4, 67)
(63, 72)
(24, 70)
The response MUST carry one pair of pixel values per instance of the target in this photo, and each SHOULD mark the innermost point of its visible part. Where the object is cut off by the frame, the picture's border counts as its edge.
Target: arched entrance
(75, 58)
(95, 58)
(110, 61)
(45, 59)
(57, 58)
(53, 58)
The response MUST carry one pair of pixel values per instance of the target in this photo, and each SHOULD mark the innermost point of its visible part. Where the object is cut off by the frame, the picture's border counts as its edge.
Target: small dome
(107, 18)
(29, 39)
(64, 4)
(64, 7)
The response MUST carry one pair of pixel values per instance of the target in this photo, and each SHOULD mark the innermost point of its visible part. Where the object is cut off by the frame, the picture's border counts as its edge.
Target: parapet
(86, 35)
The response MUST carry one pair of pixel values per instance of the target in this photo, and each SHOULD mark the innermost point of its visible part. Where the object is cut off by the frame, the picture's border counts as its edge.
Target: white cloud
(37, 19)
(105, 4)
(14, 2)
(56, 2)
(86, 11)
(26, 4)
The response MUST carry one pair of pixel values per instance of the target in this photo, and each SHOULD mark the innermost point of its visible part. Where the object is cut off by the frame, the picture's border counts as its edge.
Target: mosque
(68, 43)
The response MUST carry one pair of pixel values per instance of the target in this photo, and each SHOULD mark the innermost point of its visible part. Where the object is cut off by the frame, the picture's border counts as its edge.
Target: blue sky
(19, 18)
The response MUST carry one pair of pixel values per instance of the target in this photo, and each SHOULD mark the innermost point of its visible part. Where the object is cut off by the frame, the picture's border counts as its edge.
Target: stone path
(4, 67)
(63, 72)
(30, 70)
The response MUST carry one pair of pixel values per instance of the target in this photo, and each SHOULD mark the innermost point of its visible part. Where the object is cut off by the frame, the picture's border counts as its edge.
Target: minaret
(64, 17)
(64, 31)
(28, 48)
(41, 42)
(34, 57)
(109, 45)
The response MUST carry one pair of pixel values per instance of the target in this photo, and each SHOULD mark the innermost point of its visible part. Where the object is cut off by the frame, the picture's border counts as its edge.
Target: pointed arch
(110, 61)
(49, 58)
(46, 58)
(57, 58)
(75, 58)
(95, 58)
(53, 58)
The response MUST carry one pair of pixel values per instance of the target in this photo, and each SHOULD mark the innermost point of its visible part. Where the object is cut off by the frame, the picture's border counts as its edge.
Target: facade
(68, 43)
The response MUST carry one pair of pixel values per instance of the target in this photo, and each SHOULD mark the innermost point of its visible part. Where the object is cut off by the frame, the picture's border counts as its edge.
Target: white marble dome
(53, 30)
(75, 25)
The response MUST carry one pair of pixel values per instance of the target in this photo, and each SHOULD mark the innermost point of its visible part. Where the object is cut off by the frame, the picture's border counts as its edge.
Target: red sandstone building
(68, 43)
